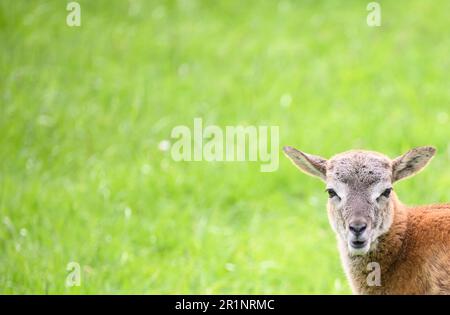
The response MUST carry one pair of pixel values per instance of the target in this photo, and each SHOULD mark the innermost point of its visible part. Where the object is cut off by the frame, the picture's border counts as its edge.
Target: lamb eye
(386, 193)
(331, 193)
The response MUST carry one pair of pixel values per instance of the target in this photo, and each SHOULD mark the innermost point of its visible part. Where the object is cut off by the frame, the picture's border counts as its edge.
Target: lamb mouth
(358, 244)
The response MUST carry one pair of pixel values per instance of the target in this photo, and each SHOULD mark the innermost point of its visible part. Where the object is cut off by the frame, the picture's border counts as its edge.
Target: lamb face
(359, 184)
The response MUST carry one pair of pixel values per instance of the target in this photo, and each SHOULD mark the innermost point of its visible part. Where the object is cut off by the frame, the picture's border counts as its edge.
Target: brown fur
(414, 255)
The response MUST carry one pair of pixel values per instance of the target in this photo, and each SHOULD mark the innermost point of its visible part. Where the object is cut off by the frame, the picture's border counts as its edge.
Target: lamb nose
(357, 228)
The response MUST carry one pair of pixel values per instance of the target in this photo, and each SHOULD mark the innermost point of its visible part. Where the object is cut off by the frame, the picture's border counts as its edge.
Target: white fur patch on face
(339, 187)
(378, 188)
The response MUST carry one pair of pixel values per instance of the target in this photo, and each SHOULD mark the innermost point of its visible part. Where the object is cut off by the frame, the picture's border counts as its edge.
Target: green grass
(84, 109)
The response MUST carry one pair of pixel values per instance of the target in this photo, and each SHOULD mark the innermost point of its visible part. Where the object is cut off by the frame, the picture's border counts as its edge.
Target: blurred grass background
(83, 110)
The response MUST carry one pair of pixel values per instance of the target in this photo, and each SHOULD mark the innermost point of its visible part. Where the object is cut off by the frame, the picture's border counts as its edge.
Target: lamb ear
(411, 162)
(309, 164)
